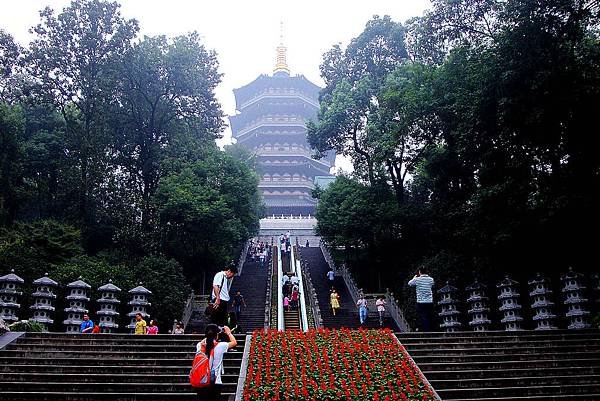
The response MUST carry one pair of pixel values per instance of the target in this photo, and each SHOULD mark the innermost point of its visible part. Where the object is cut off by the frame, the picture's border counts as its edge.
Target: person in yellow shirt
(140, 325)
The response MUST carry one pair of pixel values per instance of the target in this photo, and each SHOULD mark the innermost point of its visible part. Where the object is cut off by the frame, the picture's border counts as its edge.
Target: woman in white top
(216, 365)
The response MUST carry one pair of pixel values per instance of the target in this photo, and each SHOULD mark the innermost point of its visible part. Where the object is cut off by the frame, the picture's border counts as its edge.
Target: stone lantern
(9, 291)
(138, 303)
(478, 309)
(44, 300)
(509, 296)
(574, 300)
(108, 303)
(78, 299)
(541, 305)
(449, 312)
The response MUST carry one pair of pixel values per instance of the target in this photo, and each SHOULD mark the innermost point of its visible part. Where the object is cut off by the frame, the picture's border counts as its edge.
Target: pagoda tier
(283, 86)
(271, 123)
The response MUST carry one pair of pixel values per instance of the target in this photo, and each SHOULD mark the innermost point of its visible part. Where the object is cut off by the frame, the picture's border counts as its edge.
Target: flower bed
(331, 365)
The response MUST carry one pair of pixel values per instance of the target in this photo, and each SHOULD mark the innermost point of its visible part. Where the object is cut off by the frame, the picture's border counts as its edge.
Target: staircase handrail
(395, 311)
(280, 324)
(327, 255)
(296, 265)
(268, 302)
(243, 255)
(313, 300)
(187, 311)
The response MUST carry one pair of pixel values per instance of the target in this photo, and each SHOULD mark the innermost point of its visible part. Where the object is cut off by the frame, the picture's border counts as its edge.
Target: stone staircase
(347, 315)
(57, 366)
(252, 284)
(499, 365)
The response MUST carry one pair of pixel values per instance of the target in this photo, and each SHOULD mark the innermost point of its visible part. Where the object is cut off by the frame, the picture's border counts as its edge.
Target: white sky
(244, 33)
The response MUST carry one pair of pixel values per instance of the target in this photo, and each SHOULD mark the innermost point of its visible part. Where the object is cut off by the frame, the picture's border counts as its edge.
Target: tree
(165, 88)
(71, 58)
(207, 210)
(11, 133)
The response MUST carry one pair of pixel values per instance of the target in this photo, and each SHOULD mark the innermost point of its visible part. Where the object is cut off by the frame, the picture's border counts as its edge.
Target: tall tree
(70, 58)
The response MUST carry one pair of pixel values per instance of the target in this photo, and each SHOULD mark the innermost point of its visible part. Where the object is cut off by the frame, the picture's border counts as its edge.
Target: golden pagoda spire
(281, 63)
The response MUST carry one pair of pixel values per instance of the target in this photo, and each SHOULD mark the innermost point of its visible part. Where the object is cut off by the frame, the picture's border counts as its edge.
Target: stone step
(499, 335)
(502, 344)
(58, 361)
(181, 377)
(112, 369)
(131, 388)
(106, 342)
(510, 349)
(497, 372)
(87, 396)
(108, 348)
(518, 391)
(507, 365)
(524, 381)
(472, 357)
(94, 354)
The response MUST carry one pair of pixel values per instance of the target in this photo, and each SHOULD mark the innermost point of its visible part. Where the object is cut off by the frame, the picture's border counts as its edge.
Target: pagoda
(271, 122)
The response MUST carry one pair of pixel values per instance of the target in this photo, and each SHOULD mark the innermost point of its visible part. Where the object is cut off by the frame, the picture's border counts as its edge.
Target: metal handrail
(242, 259)
(296, 265)
(280, 324)
(187, 312)
(313, 301)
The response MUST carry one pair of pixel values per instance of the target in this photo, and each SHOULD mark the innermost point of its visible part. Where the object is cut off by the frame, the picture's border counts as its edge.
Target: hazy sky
(244, 33)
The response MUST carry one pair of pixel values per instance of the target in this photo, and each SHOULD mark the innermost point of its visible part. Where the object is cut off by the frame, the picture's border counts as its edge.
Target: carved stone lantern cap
(447, 288)
(11, 278)
(507, 282)
(45, 281)
(476, 286)
(110, 287)
(79, 283)
(538, 279)
(140, 290)
(571, 275)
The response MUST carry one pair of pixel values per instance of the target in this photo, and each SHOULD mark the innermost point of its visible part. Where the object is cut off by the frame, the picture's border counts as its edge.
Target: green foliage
(207, 210)
(30, 326)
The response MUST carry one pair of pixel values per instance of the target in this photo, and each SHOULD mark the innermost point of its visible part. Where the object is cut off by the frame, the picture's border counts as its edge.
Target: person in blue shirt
(87, 326)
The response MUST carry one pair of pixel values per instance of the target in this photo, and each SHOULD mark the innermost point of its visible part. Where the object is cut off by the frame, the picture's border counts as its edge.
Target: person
(330, 276)
(423, 285)
(262, 257)
(335, 301)
(179, 329)
(307, 243)
(380, 304)
(140, 325)
(294, 280)
(295, 297)
(220, 294)
(86, 326)
(238, 303)
(286, 303)
(96, 329)
(210, 343)
(363, 311)
(152, 327)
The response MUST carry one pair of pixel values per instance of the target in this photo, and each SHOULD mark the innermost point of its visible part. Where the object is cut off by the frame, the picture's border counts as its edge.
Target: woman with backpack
(214, 351)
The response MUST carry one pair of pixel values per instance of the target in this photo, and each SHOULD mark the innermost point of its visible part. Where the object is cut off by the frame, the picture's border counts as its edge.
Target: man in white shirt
(220, 294)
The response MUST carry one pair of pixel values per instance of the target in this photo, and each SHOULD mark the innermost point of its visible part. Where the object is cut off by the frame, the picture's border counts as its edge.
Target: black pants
(425, 313)
(212, 393)
(219, 317)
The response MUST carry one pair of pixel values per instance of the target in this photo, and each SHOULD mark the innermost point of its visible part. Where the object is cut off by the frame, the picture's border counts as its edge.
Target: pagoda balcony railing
(266, 123)
(279, 95)
(283, 152)
(276, 184)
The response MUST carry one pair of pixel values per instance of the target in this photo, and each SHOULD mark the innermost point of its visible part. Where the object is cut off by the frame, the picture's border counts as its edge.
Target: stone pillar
(478, 309)
(541, 304)
(108, 303)
(138, 303)
(9, 291)
(78, 299)
(509, 296)
(44, 296)
(574, 300)
(449, 313)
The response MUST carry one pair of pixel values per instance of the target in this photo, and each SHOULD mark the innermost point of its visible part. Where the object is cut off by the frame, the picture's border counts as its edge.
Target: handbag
(210, 308)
